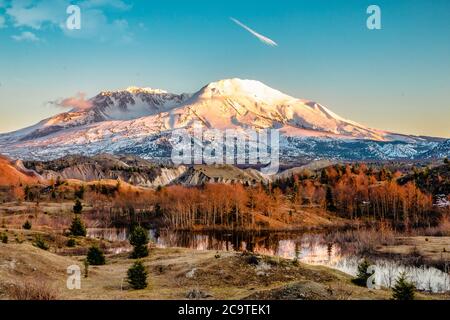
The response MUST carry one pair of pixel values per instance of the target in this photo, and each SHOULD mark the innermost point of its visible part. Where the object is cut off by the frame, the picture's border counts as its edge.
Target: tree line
(349, 191)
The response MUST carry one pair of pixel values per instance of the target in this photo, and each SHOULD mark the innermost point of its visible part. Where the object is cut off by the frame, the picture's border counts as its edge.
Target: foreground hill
(223, 275)
(176, 273)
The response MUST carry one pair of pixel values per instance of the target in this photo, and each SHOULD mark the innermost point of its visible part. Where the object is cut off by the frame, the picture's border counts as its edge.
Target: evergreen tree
(329, 199)
(77, 228)
(79, 193)
(78, 207)
(137, 276)
(324, 177)
(363, 273)
(95, 256)
(403, 289)
(139, 240)
(40, 243)
(71, 243)
(27, 225)
(28, 194)
(86, 267)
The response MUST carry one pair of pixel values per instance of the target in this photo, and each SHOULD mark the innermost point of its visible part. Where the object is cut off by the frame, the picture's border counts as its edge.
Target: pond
(310, 248)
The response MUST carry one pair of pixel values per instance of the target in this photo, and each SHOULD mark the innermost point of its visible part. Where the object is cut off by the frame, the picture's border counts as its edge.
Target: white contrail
(264, 39)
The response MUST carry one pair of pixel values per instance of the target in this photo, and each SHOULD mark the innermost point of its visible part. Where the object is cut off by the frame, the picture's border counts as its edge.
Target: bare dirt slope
(13, 174)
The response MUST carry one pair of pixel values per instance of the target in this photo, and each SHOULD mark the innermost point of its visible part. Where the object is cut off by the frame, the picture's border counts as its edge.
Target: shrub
(403, 290)
(86, 267)
(79, 193)
(139, 240)
(78, 207)
(95, 256)
(252, 260)
(40, 243)
(137, 276)
(27, 225)
(4, 238)
(31, 291)
(77, 228)
(71, 243)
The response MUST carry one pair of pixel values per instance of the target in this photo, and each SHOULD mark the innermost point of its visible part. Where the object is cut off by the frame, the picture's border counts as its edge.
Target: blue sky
(396, 78)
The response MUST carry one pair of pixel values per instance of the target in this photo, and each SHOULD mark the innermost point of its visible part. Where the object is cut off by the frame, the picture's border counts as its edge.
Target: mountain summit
(140, 120)
(238, 103)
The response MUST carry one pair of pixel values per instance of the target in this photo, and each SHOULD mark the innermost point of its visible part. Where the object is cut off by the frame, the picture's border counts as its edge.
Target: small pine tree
(95, 256)
(363, 274)
(27, 193)
(27, 225)
(330, 200)
(77, 228)
(137, 276)
(324, 177)
(139, 240)
(71, 243)
(78, 207)
(86, 268)
(403, 289)
(40, 243)
(79, 193)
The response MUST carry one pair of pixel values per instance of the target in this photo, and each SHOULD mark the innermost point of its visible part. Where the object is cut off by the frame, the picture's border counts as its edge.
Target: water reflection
(109, 234)
(307, 248)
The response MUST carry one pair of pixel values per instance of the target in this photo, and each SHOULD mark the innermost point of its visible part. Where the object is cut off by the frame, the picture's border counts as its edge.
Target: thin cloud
(48, 15)
(26, 36)
(118, 4)
(78, 102)
(262, 38)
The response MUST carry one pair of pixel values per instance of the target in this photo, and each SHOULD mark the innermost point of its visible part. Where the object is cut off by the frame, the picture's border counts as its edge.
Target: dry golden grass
(223, 275)
(31, 290)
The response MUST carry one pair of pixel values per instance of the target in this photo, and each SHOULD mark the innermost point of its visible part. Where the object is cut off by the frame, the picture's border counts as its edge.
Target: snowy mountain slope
(235, 103)
(140, 121)
(128, 104)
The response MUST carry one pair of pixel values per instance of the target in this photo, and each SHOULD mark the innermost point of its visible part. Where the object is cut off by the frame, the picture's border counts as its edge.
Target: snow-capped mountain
(140, 121)
(128, 104)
